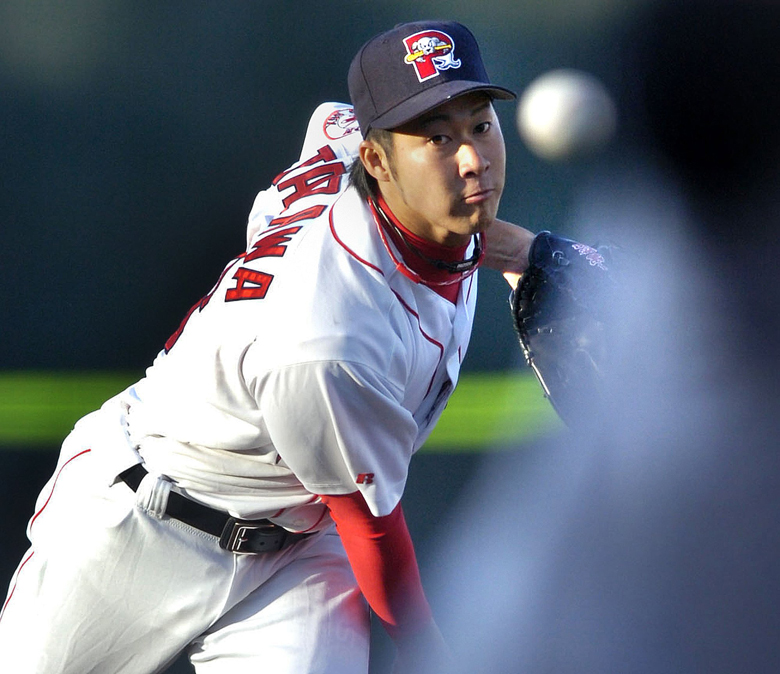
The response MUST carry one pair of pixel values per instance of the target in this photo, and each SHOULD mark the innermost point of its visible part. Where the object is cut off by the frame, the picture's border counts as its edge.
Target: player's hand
(507, 250)
(425, 652)
(512, 278)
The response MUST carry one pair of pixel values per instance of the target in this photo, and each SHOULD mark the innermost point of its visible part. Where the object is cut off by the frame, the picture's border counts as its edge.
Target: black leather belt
(249, 537)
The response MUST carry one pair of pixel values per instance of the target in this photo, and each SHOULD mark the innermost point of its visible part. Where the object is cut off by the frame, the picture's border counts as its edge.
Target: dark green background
(135, 135)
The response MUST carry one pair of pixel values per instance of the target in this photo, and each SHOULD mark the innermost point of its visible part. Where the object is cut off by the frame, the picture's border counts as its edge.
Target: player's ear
(375, 160)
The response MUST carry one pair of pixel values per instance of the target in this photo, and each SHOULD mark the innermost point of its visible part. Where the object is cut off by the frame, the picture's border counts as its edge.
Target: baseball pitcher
(242, 501)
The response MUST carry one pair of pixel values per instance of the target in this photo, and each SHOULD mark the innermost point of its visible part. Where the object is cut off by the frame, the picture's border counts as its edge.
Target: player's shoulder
(317, 178)
(333, 124)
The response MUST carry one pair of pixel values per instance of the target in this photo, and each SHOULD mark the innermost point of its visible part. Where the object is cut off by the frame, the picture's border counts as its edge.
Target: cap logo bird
(430, 51)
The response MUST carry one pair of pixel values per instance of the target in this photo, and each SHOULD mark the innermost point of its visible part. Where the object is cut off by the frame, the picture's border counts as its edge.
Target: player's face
(446, 170)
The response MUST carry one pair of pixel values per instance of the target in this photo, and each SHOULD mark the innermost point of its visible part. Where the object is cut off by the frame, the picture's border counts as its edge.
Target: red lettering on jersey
(324, 154)
(199, 305)
(250, 285)
(272, 245)
(306, 214)
(318, 180)
(365, 478)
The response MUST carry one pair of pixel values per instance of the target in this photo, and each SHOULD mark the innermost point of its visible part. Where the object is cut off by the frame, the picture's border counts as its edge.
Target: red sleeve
(382, 556)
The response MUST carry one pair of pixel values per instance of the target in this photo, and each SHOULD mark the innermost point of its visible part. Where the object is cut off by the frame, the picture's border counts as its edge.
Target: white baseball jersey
(313, 366)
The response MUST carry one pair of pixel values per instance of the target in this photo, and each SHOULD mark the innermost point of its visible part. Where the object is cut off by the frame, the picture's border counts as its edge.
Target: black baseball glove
(563, 311)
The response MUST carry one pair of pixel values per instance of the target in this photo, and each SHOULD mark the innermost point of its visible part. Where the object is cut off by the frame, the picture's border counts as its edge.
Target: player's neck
(418, 244)
(438, 266)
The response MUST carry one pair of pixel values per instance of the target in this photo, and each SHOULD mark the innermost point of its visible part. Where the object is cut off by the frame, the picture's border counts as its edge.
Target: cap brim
(427, 100)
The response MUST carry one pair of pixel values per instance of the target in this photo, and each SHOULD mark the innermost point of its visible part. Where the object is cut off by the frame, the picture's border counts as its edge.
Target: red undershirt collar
(427, 272)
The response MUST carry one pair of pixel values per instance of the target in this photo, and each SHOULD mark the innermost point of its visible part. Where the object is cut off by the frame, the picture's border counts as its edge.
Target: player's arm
(382, 557)
(381, 554)
(507, 249)
(356, 423)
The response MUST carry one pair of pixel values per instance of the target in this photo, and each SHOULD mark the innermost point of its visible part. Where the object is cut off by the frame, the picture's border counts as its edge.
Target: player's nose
(471, 161)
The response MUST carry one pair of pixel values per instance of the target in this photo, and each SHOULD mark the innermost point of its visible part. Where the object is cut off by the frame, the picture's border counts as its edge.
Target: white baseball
(565, 114)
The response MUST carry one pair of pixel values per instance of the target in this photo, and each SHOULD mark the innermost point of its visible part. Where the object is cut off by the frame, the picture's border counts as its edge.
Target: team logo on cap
(430, 51)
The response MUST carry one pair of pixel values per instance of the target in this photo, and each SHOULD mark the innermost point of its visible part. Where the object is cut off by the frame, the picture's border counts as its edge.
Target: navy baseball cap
(409, 70)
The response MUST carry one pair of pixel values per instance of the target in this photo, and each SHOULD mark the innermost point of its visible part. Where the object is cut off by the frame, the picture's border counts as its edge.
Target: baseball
(564, 114)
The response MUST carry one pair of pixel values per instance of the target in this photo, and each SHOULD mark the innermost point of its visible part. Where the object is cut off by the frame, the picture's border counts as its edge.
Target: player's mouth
(479, 197)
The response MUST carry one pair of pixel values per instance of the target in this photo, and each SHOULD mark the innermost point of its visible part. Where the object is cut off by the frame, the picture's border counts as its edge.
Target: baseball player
(241, 502)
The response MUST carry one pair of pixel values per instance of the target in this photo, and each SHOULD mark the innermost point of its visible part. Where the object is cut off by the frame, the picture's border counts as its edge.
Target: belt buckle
(236, 537)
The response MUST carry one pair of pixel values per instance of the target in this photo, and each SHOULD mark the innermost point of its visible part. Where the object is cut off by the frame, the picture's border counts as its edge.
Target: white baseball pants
(108, 588)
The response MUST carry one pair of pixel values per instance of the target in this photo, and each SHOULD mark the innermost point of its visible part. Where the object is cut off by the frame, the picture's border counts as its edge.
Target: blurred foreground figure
(649, 541)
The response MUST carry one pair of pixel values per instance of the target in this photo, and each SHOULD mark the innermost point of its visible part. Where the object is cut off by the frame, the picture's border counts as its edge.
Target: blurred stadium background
(135, 136)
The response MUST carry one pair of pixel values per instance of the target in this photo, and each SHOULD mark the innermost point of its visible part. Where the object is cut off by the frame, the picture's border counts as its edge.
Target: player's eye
(438, 139)
(482, 127)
